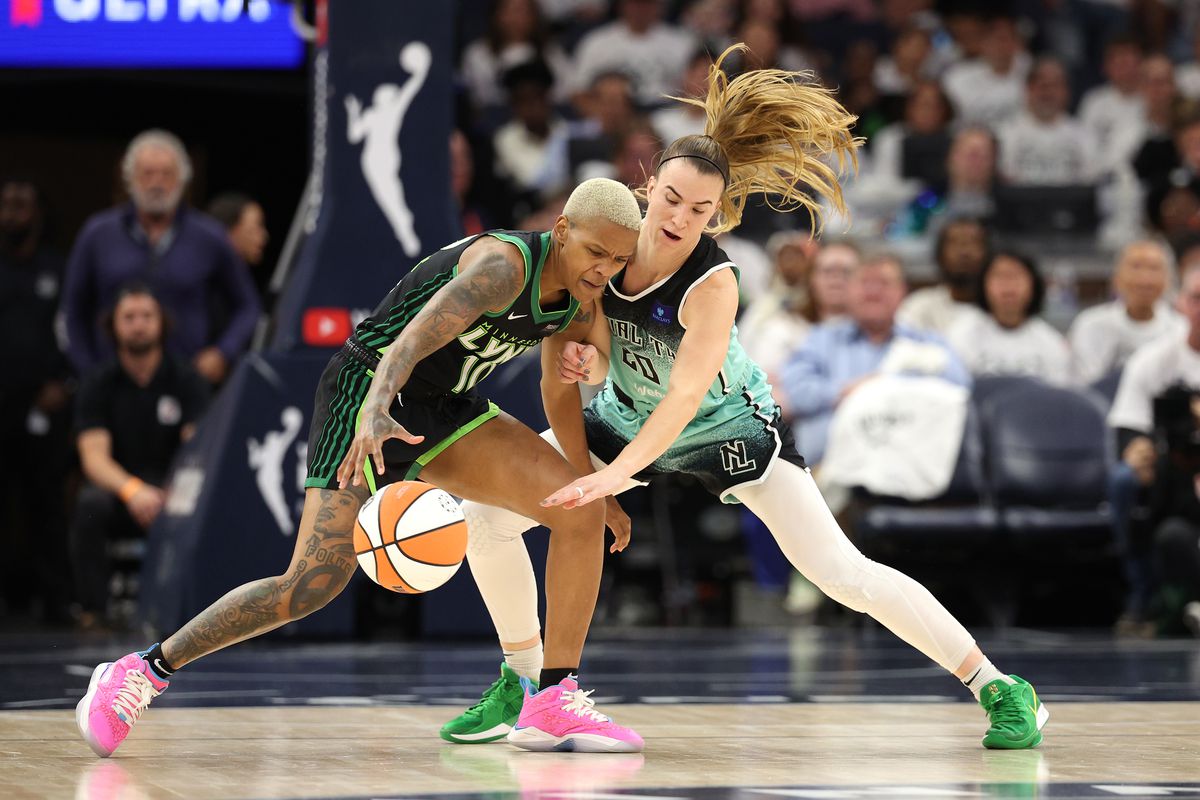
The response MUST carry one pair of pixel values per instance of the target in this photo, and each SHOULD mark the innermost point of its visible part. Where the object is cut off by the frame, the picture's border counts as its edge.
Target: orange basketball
(410, 537)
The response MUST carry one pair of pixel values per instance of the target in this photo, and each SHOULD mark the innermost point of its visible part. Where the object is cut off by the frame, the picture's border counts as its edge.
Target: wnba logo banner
(377, 200)
(378, 196)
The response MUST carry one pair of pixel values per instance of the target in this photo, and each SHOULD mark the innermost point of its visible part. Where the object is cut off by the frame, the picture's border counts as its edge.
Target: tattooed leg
(322, 565)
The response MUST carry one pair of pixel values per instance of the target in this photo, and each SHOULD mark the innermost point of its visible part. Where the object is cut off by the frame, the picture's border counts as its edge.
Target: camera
(1177, 422)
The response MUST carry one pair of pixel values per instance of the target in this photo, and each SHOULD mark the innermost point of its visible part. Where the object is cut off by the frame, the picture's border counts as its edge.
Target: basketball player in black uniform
(401, 394)
(682, 396)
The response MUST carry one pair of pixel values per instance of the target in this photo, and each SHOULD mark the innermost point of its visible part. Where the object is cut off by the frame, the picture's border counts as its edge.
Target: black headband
(716, 166)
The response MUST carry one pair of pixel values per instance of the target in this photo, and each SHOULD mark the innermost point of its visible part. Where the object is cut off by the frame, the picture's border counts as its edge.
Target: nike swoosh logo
(158, 665)
(517, 316)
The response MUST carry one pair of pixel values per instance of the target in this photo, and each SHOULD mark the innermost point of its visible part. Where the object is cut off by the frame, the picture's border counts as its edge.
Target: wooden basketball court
(280, 732)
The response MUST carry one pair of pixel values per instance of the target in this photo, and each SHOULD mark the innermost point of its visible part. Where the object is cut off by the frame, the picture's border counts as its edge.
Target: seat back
(967, 483)
(1106, 386)
(1045, 446)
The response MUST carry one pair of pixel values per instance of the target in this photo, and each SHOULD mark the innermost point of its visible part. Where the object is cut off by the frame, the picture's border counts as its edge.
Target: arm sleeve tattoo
(492, 283)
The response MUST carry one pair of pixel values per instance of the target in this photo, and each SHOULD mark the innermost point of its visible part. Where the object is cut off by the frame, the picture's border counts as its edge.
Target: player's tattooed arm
(489, 284)
(488, 280)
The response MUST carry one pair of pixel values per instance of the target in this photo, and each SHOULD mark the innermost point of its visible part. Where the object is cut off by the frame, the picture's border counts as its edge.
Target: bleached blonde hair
(769, 132)
(603, 198)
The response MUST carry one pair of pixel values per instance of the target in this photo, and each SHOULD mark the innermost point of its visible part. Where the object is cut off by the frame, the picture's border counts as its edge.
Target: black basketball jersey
(490, 340)
(646, 331)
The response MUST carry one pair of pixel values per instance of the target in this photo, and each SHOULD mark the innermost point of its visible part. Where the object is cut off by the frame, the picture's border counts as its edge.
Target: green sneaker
(1016, 713)
(493, 716)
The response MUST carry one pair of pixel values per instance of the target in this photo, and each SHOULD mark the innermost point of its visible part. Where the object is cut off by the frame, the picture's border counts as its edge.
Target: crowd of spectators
(112, 353)
(992, 131)
(1005, 146)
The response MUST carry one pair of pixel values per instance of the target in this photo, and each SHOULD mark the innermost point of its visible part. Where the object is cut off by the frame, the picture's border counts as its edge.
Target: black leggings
(100, 519)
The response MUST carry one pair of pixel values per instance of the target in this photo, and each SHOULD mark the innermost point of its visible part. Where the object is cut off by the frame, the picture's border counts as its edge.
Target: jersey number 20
(640, 363)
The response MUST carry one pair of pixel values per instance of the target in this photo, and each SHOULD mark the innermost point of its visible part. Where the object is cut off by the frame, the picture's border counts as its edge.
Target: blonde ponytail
(770, 132)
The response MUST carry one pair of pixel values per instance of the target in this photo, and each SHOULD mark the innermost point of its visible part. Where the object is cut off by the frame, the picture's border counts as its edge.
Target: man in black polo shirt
(132, 414)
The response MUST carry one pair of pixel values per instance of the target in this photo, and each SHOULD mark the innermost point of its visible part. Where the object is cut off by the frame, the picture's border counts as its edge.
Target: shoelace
(1007, 710)
(581, 705)
(487, 695)
(133, 696)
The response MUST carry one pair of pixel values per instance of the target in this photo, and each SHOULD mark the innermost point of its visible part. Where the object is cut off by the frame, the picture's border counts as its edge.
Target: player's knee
(849, 585)
(488, 526)
(850, 594)
(308, 588)
(586, 520)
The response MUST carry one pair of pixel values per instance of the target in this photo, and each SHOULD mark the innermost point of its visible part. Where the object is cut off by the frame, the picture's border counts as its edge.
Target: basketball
(410, 537)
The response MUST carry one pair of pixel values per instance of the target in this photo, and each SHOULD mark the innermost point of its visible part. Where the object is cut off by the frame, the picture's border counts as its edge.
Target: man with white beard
(183, 255)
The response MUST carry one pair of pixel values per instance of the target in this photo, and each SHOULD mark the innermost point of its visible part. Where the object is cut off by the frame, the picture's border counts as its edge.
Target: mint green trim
(524, 248)
(429, 455)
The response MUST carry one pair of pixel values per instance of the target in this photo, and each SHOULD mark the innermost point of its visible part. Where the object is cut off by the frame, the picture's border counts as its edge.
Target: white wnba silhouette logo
(266, 459)
(379, 127)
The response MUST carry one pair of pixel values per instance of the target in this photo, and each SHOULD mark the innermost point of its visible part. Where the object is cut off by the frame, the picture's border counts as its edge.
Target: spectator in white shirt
(774, 324)
(1150, 148)
(1105, 336)
(684, 119)
(927, 113)
(608, 112)
(1167, 361)
(522, 145)
(516, 34)
(1009, 338)
(971, 174)
(710, 21)
(968, 29)
(812, 286)
(1187, 76)
(639, 43)
(1112, 113)
(773, 34)
(961, 253)
(989, 90)
(1043, 145)
(907, 63)
(762, 46)
(634, 157)
(1173, 198)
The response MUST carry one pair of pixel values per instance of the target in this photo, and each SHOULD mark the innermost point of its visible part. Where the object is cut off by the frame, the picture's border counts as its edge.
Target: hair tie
(716, 166)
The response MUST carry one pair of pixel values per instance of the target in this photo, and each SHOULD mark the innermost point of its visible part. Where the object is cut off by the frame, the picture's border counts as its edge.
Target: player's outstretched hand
(618, 522)
(586, 489)
(374, 428)
(576, 361)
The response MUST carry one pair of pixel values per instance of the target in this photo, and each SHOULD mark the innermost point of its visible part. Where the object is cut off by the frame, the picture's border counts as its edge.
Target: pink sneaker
(117, 694)
(563, 718)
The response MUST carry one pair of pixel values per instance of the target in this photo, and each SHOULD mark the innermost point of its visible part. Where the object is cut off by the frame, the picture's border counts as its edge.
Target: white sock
(527, 663)
(984, 674)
